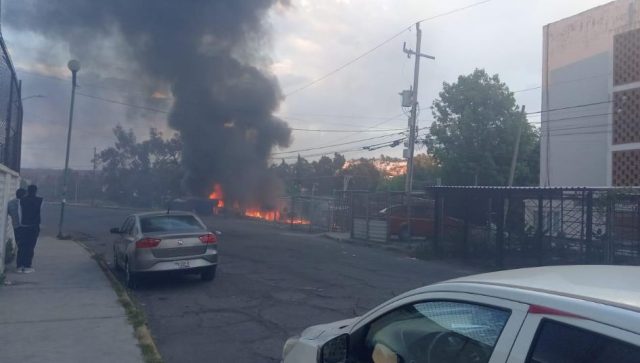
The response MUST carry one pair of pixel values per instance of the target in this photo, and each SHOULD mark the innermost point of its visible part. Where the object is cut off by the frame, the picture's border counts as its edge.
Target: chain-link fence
(10, 112)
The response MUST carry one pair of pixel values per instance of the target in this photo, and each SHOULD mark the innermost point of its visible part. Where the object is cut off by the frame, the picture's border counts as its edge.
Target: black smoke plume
(209, 54)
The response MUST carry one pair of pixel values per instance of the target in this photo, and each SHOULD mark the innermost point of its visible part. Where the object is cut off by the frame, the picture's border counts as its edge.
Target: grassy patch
(135, 315)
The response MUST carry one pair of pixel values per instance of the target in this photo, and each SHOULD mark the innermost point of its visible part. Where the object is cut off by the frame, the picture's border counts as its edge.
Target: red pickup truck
(422, 220)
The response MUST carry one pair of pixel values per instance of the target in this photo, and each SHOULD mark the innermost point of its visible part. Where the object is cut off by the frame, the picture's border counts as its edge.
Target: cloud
(310, 39)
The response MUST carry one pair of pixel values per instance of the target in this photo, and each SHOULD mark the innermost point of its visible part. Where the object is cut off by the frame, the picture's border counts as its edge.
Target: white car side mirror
(335, 350)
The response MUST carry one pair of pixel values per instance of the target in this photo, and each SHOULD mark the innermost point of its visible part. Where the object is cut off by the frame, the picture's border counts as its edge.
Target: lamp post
(74, 67)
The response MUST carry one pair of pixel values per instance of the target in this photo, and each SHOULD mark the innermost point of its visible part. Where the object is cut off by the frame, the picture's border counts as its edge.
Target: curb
(135, 315)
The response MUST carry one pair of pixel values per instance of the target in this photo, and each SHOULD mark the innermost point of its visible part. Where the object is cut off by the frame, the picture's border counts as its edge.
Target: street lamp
(74, 67)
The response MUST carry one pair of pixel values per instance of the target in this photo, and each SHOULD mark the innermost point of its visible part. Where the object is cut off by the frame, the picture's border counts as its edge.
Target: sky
(309, 40)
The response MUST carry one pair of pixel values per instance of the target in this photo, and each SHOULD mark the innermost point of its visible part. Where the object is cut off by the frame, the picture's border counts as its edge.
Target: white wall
(9, 182)
(575, 143)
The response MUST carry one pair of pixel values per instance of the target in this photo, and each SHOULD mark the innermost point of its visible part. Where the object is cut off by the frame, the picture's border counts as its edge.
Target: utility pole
(414, 104)
(412, 120)
(516, 149)
(514, 160)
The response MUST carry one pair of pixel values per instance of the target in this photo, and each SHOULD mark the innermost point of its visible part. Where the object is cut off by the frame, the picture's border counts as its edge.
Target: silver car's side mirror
(335, 350)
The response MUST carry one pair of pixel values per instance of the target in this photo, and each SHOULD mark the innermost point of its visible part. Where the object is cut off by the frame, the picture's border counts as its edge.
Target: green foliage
(322, 176)
(364, 175)
(425, 172)
(474, 132)
(146, 173)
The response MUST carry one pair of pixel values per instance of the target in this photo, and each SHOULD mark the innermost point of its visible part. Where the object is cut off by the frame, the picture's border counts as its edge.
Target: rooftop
(611, 285)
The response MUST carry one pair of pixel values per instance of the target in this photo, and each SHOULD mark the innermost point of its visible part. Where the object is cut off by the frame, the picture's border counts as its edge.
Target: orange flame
(270, 215)
(299, 221)
(273, 216)
(217, 194)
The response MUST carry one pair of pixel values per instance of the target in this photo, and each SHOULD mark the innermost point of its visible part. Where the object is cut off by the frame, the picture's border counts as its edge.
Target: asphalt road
(271, 283)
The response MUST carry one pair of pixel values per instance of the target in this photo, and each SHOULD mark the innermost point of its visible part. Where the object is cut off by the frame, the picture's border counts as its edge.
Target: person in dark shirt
(30, 221)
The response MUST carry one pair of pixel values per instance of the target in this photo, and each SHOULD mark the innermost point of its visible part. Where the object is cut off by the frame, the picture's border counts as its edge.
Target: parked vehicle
(422, 220)
(546, 314)
(161, 241)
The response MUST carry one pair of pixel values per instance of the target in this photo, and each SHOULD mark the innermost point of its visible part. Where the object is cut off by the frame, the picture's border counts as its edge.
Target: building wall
(577, 95)
(9, 182)
(625, 141)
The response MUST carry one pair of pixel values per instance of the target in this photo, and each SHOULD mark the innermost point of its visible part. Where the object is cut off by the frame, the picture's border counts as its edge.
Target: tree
(304, 176)
(425, 172)
(146, 173)
(474, 132)
(364, 175)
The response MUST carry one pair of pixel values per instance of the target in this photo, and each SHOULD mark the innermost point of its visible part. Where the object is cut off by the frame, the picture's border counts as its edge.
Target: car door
(571, 339)
(129, 235)
(438, 327)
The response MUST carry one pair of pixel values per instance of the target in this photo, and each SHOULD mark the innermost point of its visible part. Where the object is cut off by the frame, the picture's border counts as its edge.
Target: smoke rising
(209, 54)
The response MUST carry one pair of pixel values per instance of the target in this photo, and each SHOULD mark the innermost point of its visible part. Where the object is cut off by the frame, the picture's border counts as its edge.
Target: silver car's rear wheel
(116, 265)
(208, 273)
(130, 278)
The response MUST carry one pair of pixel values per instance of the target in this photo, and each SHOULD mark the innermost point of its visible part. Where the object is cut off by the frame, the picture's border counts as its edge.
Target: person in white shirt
(15, 212)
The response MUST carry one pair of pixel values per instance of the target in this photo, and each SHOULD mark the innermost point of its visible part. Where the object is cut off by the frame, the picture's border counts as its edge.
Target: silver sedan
(161, 241)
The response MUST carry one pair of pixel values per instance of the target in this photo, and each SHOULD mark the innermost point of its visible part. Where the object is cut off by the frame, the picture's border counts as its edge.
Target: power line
(563, 82)
(378, 46)
(122, 103)
(334, 145)
(376, 125)
(340, 131)
(572, 118)
(360, 149)
(569, 107)
(331, 73)
(293, 116)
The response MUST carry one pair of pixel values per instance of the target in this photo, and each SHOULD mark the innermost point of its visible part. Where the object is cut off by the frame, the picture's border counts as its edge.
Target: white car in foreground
(566, 314)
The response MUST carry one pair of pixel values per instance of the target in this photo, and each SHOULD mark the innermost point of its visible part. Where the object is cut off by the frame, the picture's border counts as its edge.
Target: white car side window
(561, 342)
(432, 332)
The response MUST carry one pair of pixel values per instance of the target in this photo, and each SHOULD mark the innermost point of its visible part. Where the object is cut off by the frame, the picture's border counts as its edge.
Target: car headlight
(288, 346)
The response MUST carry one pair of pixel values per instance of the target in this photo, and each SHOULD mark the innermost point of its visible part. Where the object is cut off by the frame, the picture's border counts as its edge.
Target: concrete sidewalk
(66, 311)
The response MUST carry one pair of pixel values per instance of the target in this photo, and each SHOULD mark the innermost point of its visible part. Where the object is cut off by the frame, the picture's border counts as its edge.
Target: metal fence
(515, 227)
(10, 112)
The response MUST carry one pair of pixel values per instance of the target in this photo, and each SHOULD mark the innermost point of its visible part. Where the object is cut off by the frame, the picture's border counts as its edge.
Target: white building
(590, 130)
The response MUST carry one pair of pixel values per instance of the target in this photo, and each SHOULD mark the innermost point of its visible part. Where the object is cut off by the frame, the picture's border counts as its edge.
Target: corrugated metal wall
(372, 230)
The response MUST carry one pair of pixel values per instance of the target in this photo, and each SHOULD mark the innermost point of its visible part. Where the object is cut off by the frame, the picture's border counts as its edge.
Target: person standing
(30, 205)
(15, 212)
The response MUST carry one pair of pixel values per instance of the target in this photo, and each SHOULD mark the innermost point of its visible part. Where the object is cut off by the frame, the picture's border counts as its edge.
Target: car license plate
(182, 264)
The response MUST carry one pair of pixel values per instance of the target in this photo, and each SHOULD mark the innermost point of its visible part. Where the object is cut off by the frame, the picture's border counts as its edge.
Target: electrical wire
(563, 82)
(569, 107)
(146, 108)
(378, 46)
(340, 131)
(334, 145)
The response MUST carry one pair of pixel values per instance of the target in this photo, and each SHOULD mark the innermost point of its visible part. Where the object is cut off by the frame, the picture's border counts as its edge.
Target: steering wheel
(454, 347)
